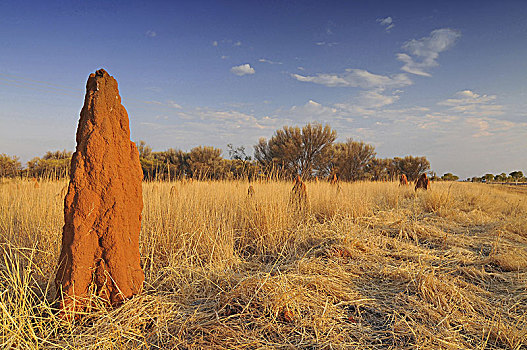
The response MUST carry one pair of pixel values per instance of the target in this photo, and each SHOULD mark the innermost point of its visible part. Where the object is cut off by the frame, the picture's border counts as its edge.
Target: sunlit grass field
(363, 265)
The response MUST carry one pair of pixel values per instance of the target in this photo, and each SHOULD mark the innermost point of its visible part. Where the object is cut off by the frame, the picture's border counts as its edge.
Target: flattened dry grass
(366, 266)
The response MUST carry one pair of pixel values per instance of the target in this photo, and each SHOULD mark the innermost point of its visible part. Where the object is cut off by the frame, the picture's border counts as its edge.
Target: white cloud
(312, 110)
(224, 57)
(174, 104)
(468, 102)
(375, 98)
(226, 120)
(226, 42)
(424, 52)
(323, 43)
(367, 103)
(243, 69)
(481, 126)
(387, 22)
(263, 60)
(151, 33)
(153, 102)
(467, 97)
(485, 126)
(356, 78)
(413, 67)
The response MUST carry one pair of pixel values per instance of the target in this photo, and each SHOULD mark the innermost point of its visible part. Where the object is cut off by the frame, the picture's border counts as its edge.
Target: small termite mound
(403, 181)
(334, 180)
(250, 191)
(422, 183)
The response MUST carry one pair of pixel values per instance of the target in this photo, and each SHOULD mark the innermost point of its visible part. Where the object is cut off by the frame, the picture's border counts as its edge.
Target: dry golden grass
(367, 266)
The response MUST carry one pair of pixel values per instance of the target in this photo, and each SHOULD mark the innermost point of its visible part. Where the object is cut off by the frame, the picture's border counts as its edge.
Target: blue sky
(443, 79)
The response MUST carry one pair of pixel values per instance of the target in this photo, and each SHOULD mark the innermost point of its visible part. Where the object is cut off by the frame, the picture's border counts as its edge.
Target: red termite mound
(423, 182)
(102, 209)
(334, 180)
(403, 180)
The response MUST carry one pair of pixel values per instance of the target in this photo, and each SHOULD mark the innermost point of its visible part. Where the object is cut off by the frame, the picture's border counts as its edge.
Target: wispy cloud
(367, 103)
(226, 42)
(192, 127)
(263, 60)
(324, 43)
(386, 22)
(356, 78)
(174, 104)
(423, 53)
(150, 33)
(468, 102)
(153, 102)
(313, 110)
(243, 69)
(376, 98)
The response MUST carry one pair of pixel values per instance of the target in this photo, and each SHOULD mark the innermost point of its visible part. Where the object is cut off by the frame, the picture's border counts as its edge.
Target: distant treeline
(309, 151)
(515, 176)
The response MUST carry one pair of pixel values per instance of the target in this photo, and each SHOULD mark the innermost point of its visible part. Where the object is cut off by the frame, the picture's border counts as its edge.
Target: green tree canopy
(381, 169)
(488, 177)
(412, 166)
(9, 165)
(500, 177)
(516, 175)
(353, 159)
(449, 177)
(54, 164)
(293, 150)
(205, 163)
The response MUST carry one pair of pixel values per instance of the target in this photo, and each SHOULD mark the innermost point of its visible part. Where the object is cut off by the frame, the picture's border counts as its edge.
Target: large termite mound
(102, 209)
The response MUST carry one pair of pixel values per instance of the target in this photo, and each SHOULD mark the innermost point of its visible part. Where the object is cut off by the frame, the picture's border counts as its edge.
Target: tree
(411, 166)
(171, 163)
(449, 177)
(433, 176)
(516, 175)
(9, 165)
(145, 151)
(381, 169)
(500, 177)
(353, 159)
(206, 163)
(488, 177)
(294, 151)
(240, 165)
(238, 153)
(54, 164)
